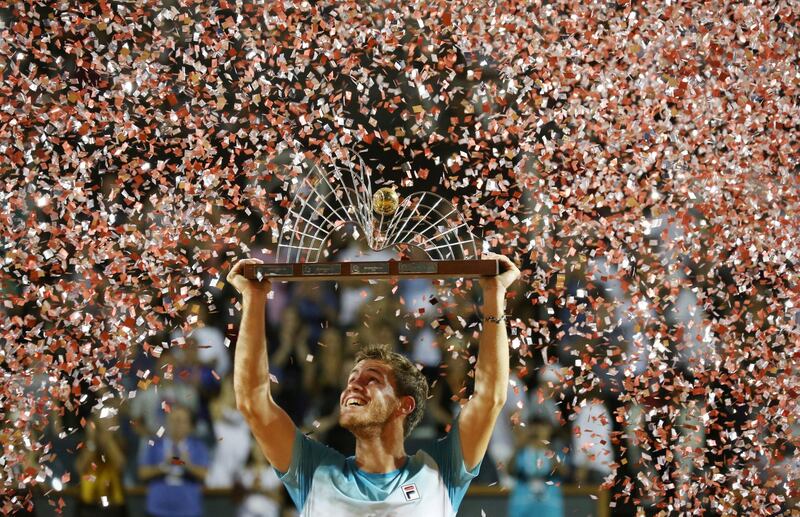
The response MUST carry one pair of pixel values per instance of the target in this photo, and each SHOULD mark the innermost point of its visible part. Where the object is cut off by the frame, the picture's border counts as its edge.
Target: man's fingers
(236, 269)
(502, 258)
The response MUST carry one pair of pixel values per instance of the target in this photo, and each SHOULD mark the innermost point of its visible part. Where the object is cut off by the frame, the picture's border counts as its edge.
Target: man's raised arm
(272, 427)
(477, 418)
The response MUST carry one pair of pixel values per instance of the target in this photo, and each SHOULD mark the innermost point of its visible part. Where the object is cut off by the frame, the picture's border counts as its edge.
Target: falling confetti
(639, 160)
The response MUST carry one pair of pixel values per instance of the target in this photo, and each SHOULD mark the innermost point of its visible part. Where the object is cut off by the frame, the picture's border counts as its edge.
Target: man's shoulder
(319, 451)
(424, 457)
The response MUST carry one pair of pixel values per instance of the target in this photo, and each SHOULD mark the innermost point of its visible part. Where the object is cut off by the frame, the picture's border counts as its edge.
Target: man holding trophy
(382, 402)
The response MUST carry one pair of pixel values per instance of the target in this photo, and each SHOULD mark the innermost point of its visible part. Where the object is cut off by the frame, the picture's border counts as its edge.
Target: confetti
(640, 160)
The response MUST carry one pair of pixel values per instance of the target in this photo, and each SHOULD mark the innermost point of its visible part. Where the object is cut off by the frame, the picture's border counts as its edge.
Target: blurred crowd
(179, 436)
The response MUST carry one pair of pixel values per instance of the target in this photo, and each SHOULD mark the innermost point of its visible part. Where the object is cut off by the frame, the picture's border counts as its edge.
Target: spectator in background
(378, 332)
(317, 303)
(100, 465)
(544, 399)
(451, 389)
(501, 446)
(154, 394)
(231, 439)
(262, 490)
(537, 470)
(20, 497)
(294, 372)
(332, 370)
(211, 350)
(591, 441)
(191, 370)
(417, 297)
(174, 468)
(352, 297)
(520, 401)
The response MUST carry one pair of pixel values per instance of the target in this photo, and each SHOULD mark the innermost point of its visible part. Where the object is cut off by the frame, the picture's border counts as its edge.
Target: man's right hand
(253, 289)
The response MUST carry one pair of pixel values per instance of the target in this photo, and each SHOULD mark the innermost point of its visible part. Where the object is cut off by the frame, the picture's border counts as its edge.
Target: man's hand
(252, 289)
(501, 282)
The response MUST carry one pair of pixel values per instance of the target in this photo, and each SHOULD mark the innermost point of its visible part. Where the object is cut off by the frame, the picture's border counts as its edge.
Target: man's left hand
(502, 281)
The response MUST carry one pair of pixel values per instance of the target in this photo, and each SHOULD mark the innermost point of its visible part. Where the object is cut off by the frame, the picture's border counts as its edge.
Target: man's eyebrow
(371, 369)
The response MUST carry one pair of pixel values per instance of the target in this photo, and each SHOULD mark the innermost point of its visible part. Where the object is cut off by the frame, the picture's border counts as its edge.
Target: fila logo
(410, 491)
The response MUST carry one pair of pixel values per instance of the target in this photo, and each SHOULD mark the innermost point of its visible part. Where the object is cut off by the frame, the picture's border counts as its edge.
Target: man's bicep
(275, 433)
(475, 425)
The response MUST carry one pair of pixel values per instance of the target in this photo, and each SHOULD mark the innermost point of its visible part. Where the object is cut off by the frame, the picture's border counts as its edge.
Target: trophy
(329, 198)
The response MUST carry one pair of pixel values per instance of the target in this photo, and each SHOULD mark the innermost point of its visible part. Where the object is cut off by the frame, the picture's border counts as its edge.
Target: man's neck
(380, 452)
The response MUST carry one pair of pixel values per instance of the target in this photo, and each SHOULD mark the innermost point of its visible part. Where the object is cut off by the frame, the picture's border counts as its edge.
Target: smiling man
(383, 400)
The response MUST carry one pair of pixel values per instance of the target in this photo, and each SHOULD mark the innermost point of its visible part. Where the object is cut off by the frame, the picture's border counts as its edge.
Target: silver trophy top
(328, 198)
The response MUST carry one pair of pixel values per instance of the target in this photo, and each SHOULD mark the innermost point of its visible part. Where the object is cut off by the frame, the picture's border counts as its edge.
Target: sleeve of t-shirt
(447, 454)
(307, 456)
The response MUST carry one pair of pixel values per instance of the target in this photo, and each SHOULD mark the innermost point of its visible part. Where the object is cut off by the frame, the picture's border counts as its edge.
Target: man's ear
(407, 404)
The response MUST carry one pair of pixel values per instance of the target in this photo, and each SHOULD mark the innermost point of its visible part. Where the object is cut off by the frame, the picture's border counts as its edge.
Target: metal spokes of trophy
(328, 198)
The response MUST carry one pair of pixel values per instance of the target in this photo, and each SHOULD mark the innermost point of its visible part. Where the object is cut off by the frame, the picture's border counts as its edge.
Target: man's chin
(350, 422)
(355, 423)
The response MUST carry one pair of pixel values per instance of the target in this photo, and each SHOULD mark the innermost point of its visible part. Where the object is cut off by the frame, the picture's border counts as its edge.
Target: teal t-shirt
(321, 481)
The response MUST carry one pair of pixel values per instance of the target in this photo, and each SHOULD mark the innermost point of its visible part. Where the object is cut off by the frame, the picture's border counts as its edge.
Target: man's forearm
(251, 370)
(491, 370)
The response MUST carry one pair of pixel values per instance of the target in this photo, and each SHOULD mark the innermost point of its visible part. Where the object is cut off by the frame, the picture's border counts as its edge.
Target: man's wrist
(496, 316)
(494, 291)
(494, 301)
(252, 298)
(494, 319)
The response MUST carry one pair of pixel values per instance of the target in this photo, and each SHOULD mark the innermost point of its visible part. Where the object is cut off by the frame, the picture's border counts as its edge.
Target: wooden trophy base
(349, 271)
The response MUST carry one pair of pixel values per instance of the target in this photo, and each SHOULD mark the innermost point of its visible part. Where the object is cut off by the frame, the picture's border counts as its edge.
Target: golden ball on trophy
(385, 201)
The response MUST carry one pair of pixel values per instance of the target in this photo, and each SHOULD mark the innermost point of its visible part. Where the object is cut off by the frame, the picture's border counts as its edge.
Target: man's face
(541, 431)
(179, 424)
(370, 399)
